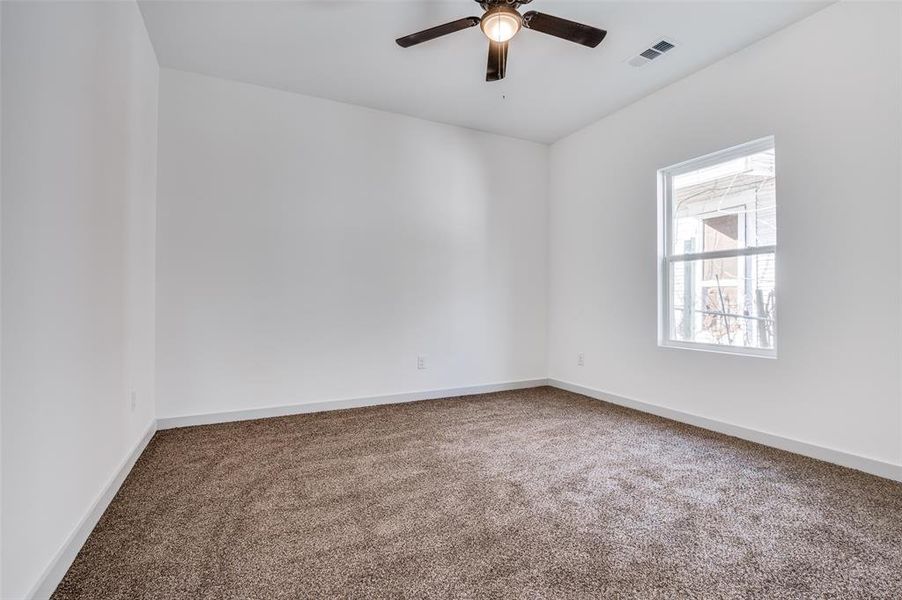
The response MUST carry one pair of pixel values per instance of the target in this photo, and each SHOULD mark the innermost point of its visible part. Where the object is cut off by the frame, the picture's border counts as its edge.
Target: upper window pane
(725, 206)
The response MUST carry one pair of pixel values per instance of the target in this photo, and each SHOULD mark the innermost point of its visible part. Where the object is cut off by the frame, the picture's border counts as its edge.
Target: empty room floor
(531, 493)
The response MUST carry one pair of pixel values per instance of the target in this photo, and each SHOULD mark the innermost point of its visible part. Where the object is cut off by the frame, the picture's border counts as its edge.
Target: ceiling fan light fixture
(501, 23)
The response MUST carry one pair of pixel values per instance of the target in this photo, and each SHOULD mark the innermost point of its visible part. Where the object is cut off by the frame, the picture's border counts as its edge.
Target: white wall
(309, 250)
(828, 88)
(79, 105)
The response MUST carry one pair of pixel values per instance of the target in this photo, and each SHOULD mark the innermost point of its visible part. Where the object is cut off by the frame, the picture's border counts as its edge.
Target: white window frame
(666, 257)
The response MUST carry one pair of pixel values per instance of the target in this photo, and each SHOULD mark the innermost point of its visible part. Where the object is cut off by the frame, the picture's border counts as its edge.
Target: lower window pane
(724, 302)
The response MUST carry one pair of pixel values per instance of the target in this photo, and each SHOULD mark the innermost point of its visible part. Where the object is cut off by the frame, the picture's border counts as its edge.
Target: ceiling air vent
(663, 46)
(651, 53)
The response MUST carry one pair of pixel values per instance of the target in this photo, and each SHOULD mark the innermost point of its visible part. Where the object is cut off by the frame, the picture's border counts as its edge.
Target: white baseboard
(839, 457)
(296, 409)
(61, 562)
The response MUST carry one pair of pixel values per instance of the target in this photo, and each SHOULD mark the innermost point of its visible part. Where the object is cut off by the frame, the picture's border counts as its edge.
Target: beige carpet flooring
(529, 494)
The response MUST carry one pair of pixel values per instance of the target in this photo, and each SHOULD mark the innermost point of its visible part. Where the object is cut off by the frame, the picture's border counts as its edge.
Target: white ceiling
(344, 50)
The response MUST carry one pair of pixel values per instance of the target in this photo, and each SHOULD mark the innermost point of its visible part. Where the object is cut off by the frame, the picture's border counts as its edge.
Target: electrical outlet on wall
(133, 397)
(580, 360)
(421, 362)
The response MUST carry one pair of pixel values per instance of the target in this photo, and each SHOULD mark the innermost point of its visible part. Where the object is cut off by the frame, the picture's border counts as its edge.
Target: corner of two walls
(899, 92)
(1, 297)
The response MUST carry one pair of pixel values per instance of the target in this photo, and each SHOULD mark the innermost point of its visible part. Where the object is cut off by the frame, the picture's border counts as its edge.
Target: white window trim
(665, 259)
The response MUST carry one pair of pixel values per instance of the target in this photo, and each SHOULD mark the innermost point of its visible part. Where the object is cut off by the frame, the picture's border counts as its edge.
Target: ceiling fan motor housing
(487, 4)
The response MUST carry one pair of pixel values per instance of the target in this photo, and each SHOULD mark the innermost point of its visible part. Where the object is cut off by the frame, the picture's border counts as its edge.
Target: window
(718, 243)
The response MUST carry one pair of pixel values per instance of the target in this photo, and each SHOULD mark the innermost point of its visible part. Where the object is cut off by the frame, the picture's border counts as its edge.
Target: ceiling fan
(500, 23)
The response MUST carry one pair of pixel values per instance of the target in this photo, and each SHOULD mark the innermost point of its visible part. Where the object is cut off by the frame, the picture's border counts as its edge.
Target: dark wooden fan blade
(497, 61)
(433, 32)
(564, 29)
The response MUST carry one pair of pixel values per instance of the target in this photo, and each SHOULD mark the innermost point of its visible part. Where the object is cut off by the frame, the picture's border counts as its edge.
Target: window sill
(768, 353)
